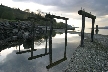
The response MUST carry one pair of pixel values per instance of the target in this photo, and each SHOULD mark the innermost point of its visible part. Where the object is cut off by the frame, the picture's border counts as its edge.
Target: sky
(66, 8)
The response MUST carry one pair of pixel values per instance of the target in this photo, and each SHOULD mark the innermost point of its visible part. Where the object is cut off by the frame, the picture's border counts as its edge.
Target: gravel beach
(93, 57)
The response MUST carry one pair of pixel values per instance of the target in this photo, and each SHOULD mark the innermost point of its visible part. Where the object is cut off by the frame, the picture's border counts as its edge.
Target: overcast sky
(67, 8)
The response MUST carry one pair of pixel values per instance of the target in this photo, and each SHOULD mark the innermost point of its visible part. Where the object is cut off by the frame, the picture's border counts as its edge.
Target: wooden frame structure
(89, 15)
(50, 40)
(48, 17)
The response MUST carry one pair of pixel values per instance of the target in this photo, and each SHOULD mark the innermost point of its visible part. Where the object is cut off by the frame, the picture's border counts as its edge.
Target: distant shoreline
(99, 28)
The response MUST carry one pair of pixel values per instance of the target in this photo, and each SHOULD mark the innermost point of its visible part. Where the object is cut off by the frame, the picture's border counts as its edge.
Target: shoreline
(93, 57)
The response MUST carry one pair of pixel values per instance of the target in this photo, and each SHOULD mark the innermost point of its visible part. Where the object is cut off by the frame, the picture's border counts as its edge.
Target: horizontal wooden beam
(37, 56)
(25, 51)
(89, 15)
(55, 63)
(40, 18)
(54, 16)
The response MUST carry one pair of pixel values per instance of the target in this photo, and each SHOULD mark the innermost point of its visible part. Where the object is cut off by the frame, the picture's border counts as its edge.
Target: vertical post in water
(32, 38)
(65, 37)
(46, 39)
(50, 42)
(18, 32)
(18, 25)
(82, 31)
(96, 29)
(19, 48)
(92, 31)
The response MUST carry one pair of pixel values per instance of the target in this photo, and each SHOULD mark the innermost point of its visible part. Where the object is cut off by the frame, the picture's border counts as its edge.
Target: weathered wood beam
(54, 16)
(55, 63)
(89, 15)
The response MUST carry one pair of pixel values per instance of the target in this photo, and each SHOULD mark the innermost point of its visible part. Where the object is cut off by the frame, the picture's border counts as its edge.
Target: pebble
(93, 57)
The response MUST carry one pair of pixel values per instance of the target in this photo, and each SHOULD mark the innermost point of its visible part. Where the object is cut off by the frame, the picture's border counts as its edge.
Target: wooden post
(50, 42)
(18, 32)
(19, 48)
(65, 37)
(89, 15)
(18, 25)
(82, 31)
(92, 31)
(33, 35)
(96, 29)
(46, 40)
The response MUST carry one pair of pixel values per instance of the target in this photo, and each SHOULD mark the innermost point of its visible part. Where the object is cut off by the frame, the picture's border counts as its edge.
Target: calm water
(12, 62)
(101, 31)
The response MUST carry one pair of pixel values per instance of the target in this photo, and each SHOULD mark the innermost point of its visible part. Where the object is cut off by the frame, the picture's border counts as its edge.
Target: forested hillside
(13, 13)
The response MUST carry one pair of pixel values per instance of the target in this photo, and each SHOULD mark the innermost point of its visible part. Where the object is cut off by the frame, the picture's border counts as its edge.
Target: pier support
(97, 30)
(50, 38)
(19, 26)
(46, 39)
(82, 30)
(33, 35)
(65, 37)
(50, 41)
(89, 15)
(92, 30)
(19, 48)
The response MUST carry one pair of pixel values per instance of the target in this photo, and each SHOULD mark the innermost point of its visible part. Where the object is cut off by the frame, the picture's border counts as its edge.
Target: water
(12, 62)
(101, 31)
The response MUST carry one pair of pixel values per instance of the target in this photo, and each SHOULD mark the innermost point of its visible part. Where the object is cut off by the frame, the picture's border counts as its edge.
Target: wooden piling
(65, 37)
(92, 31)
(33, 35)
(50, 42)
(82, 31)
(89, 15)
(46, 39)
(19, 48)
(97, 30)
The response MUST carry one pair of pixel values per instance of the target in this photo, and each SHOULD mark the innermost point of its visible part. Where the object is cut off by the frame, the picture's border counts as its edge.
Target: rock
(93, 57)
(14, 37)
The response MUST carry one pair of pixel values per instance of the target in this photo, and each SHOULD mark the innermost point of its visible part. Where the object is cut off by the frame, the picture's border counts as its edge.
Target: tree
(27, 10)
(38, 12)
(8, 15)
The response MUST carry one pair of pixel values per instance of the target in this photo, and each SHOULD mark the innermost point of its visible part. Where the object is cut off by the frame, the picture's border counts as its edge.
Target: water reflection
(17, 59)
(44, 54)
(37, 56)
(56, 62)
(20, 52)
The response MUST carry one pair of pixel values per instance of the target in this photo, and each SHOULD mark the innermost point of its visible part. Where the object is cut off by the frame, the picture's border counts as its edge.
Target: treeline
(13, 13)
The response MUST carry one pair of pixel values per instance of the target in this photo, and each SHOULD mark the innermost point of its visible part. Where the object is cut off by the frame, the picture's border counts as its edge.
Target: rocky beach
(93, 57)
(12, 30)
